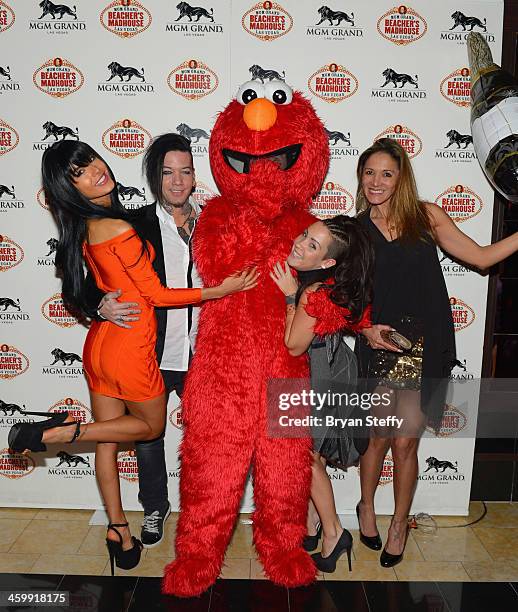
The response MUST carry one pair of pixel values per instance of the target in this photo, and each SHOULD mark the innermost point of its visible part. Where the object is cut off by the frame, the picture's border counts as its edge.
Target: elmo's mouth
(241, 162)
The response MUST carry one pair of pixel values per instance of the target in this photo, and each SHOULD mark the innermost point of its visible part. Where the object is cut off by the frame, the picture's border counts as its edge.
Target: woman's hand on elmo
(284, 279)
(241, 281)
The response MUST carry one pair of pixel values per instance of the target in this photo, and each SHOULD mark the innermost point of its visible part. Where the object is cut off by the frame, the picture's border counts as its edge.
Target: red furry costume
(240, 345)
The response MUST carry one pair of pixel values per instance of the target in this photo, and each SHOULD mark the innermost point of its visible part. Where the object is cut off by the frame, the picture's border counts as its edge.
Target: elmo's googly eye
(278, 92)
(249, 91)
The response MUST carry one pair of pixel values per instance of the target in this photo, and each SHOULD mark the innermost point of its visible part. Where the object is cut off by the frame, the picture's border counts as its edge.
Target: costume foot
(291, 568)
(189, 577)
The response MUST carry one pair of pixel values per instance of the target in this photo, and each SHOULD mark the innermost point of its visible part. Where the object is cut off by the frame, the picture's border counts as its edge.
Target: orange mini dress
(121, 362)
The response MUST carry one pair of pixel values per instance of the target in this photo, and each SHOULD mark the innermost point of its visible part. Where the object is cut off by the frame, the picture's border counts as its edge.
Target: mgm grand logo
(441, 471)
(49, 258)
(71, 466)
(451, 267)
(195, 135)
(8, 199)
(54, 18)
(11, 310)
(64, 364)
(52, 133)
(463, 25)
(131, 197)
(194, 21)
(125, 80)
(6, 81)
(334, 25)
(340, 144)
(457, 148)
(399, 86)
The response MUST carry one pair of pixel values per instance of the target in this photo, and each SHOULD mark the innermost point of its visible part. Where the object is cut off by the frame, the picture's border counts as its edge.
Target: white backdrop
(184, 72)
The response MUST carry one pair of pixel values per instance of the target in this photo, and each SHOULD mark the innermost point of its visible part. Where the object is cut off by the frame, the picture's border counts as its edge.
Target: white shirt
(180, 336)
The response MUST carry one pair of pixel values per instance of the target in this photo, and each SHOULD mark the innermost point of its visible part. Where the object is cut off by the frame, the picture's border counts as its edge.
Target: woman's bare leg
(371, 463)
(324, 500)
(112, 425)
(404, 453)
(313, 519)
(145, 422)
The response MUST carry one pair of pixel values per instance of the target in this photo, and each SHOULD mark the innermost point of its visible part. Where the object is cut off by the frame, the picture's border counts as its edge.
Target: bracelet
(290, 299)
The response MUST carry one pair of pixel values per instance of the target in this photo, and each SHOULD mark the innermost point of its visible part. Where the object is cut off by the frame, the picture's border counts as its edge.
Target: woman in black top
(410, 297)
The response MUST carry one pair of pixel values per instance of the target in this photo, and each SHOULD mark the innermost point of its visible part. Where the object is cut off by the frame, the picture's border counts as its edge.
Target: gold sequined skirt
(400, 370)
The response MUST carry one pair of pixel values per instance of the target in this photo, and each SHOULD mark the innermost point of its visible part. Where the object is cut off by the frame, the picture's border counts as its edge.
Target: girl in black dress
(410, 296)
(329, 297)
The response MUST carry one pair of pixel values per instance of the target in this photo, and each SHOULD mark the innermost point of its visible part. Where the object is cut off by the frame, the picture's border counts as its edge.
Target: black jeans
(151, 456)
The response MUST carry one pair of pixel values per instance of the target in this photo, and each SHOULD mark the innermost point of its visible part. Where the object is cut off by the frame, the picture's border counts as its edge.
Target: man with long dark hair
(168, 224)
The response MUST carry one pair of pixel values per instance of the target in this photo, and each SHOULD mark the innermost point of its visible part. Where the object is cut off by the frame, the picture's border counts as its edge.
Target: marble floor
(41, 541)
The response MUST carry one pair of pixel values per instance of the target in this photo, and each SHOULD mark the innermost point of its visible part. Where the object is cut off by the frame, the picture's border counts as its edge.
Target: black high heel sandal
(310, 542)
(388, 559)
(328, 564)
(28, 435)
(372, 542)
(125, 559)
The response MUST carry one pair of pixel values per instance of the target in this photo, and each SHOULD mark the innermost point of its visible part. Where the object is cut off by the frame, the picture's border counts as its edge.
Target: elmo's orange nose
(260, 114)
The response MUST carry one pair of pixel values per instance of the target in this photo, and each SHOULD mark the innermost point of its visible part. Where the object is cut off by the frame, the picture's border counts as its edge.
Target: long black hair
(70, 210)
(353, 272)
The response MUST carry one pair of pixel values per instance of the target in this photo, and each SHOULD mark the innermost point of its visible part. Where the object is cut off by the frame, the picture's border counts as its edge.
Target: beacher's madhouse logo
(193, 80)
(202, 193)
(460, 202)
(54, 310)
(453, 421)
(332, 200)
(267, 21)
(76, 409)
(7, 16)
(127, 465)
(12, 362)
(58, 78)
(126, 18)
(463, 315)
(11, 253)
(8, 137)
(41, 199)
(126, 138)
(387, 471)
(402, 25)
(175, 417)
(408, 139)
(15, 465)
(334, 24)
(456, 87)
(333, 83)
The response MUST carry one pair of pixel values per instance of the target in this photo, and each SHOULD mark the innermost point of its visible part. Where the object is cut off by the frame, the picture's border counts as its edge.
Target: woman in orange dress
(126, 388)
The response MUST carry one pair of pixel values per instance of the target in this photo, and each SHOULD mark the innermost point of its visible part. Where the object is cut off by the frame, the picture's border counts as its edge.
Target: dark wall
(495, 471)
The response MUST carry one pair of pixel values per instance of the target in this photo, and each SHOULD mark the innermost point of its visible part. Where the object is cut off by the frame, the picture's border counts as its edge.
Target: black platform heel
(310, 542)
(328, 564)
(29, 435)
(125, 559)
(388, 559)
(372, 542)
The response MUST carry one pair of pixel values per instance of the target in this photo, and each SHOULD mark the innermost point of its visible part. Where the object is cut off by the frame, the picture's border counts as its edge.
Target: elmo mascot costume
(269, 154)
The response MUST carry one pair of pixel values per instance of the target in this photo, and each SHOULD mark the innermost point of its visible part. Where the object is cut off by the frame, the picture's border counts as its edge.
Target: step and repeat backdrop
(116, 74)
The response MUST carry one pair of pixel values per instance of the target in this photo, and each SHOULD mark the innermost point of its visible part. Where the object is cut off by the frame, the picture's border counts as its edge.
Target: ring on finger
(120, 318)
